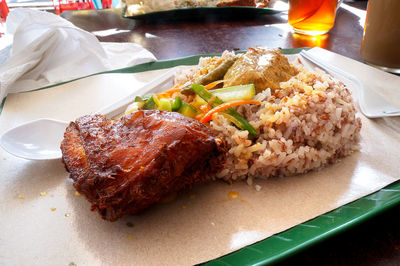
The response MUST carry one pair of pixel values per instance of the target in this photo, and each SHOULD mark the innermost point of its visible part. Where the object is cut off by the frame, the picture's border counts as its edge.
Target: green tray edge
(287, 243)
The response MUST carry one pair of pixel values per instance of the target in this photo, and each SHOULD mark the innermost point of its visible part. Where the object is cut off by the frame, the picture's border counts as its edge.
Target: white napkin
(48, 49)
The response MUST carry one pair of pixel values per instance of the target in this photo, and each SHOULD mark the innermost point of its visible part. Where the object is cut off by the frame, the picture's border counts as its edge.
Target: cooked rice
(308, 123)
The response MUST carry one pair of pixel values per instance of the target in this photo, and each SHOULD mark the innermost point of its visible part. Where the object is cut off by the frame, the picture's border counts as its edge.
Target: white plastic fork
(372, 105)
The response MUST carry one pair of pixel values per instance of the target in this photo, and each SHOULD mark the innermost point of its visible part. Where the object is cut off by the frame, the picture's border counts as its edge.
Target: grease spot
(233, 194)
(192, 196)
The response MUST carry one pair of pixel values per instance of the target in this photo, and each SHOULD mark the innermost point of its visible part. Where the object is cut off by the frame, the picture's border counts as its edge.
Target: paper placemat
(44, 222)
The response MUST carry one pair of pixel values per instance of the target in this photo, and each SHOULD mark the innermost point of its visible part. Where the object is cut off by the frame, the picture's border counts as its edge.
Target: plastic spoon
(40, 139)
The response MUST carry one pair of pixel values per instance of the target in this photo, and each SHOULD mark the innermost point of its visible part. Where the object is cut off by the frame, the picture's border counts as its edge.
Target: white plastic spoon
(40, 139)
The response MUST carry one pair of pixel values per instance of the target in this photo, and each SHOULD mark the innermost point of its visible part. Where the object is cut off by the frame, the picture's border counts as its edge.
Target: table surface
(376, 241)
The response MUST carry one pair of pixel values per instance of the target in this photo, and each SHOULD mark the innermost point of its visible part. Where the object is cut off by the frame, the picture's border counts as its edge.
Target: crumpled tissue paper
(48, 49)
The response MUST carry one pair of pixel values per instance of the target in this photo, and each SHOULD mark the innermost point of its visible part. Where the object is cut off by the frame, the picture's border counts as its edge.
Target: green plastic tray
(295, 239)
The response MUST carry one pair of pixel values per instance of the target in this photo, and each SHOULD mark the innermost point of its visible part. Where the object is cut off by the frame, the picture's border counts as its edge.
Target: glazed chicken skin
(124, 166)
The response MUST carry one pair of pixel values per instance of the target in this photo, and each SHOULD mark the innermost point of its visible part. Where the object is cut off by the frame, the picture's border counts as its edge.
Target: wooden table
(376, 241)
(182, 37)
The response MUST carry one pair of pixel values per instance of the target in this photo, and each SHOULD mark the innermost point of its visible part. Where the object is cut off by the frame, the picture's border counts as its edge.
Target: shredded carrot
(213, 84)
(224, 106)
(198, 117)
(205, 108)
(168, 93)
(163, 95)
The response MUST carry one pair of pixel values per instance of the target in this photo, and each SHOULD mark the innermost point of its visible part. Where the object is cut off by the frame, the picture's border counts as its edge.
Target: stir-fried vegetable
(240, 121)
(169, 93)
(188, 110)
(214, 101)
(176, 104)
(149, 104)
(215, 74)
(164, 104)
(235, 93)
(213, 84)
(206, 95)
(204, 103)
(224, 106)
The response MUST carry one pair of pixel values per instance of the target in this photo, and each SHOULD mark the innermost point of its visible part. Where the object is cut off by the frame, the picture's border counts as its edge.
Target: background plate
(202, 12)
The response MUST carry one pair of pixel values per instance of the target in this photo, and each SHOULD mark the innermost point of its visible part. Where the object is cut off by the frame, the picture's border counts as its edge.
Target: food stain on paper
(233, 194)
(21, 196)
(192, 196)
(246, 203)
(52, 209)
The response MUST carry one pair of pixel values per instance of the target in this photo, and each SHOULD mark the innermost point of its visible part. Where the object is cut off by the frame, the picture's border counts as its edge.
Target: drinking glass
(312, 17)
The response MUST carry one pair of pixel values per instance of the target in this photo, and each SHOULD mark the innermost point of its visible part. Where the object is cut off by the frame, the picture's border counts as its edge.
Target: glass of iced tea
(312, 17)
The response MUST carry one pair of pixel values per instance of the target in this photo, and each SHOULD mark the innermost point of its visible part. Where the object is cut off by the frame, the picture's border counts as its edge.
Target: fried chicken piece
(124, 166)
